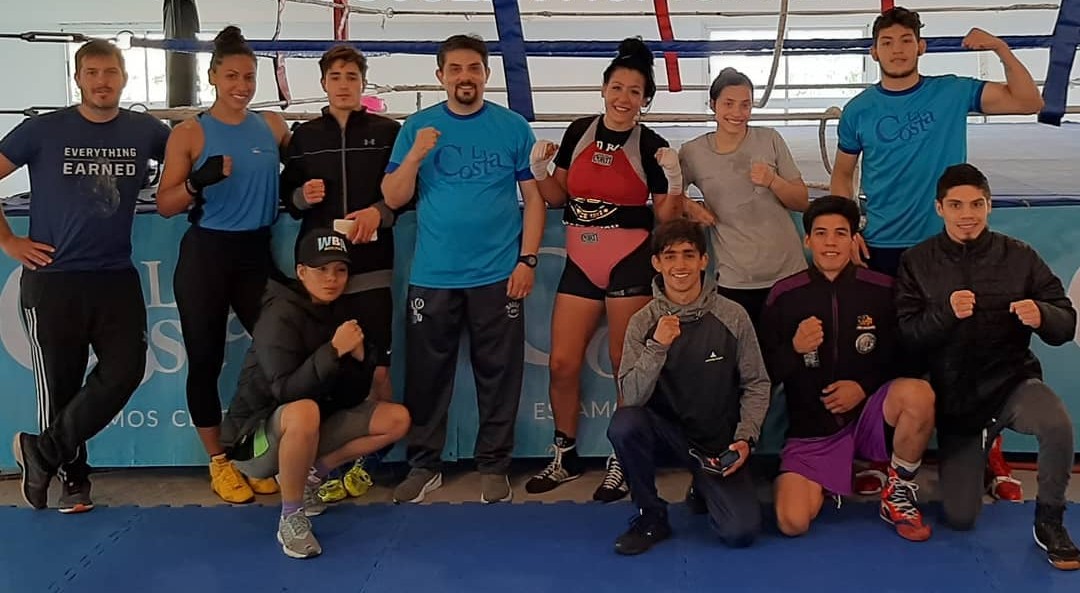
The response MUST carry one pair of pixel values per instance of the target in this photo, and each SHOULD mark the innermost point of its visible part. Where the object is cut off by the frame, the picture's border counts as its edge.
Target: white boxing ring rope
(778, 52)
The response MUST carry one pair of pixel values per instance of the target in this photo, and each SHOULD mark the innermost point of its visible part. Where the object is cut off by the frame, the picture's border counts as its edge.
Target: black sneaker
(75, 496)
(695, 503)
(565, 467)
(36, 473)
(613, 486)
(646, 530)
(1051, 536)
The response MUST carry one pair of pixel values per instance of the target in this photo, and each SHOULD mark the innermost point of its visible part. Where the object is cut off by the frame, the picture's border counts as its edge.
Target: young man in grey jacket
(693, 385)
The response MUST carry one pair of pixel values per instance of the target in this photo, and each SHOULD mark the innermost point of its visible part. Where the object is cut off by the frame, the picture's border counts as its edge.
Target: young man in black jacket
(302, 407)
(970, 299)
(829, 335)
(694, 385)
(332, 179)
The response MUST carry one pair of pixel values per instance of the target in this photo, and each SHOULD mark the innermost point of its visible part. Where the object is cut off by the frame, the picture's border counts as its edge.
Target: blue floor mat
(506, 548)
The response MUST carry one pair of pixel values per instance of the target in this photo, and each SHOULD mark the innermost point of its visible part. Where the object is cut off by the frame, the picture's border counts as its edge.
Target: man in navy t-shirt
(79, 288)
(465, 159)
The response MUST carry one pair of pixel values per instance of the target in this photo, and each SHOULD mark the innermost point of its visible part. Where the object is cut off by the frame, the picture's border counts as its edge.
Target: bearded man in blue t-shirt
(465, 160)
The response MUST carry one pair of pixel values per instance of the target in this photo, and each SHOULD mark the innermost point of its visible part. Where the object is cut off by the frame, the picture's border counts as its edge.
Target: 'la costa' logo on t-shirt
(467, 163)
(891, 128)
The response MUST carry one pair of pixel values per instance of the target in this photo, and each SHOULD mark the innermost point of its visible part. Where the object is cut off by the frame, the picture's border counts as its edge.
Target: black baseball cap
(322, 246)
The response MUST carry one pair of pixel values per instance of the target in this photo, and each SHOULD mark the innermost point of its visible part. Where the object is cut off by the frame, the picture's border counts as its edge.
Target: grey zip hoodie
(711, 380)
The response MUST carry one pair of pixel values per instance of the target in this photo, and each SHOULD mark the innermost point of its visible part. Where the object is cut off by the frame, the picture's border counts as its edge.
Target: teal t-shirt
(907, 139)
(468, 216)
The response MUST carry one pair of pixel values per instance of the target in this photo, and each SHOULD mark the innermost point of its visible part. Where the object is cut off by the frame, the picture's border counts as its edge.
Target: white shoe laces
(613, 479)
(903, 497)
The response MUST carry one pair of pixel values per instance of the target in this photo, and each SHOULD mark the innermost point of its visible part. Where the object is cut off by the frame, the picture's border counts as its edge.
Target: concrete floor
(190, 486)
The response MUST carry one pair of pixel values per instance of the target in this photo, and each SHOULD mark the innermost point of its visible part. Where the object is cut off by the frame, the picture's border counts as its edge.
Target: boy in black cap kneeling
(300, 408)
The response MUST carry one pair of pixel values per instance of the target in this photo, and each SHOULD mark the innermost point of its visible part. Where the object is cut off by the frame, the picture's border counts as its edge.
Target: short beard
(885, 73)
(459, 96)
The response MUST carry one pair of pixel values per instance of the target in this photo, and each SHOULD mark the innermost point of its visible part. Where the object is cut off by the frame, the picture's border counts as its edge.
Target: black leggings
(216, 270)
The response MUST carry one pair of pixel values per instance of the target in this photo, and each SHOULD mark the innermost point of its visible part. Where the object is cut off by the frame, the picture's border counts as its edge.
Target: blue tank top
(248, 198)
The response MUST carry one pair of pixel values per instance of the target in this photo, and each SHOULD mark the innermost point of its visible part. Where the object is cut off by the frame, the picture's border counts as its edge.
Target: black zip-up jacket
(859, 321)
(291, 358)
(351, 161)
(975, 363)
(710, 381)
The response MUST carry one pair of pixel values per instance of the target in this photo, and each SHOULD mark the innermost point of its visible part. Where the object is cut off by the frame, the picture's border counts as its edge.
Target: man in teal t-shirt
(465, 160)
(909, 128)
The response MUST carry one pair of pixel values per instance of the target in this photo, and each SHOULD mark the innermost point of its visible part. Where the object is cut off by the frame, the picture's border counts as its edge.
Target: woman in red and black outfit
(606, 169)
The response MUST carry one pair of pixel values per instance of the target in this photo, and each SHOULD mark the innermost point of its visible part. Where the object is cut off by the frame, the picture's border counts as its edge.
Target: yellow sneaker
(357, 480)
(263, 485)
(331, 491)
(228, 483)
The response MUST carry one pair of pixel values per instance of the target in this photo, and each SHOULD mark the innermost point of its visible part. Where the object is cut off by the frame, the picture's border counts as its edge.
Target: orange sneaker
(898, 507)
(262, 485)
(228, 483)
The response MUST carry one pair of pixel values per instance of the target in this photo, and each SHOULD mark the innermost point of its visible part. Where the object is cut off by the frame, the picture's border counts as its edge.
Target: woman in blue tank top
(222, 168)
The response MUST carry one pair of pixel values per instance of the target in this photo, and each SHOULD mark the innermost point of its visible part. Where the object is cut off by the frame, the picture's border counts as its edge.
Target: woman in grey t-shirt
(750, 184)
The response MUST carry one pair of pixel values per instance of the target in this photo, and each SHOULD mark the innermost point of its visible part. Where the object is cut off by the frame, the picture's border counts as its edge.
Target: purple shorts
(828, 460)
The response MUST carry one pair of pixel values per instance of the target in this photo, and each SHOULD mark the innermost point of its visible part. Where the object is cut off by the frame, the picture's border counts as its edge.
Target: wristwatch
(529, 260)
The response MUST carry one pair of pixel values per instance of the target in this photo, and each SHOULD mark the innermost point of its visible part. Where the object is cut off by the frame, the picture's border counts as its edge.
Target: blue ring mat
(519, 547)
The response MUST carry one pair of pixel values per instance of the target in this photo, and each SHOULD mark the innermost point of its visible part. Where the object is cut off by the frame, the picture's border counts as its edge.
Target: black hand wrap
(211, 172)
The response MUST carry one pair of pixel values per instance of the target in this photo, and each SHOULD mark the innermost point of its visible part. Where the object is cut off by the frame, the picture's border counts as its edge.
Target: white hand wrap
(668, 159)
(538, 164)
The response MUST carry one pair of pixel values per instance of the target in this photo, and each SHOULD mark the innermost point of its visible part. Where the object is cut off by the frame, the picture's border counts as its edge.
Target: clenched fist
(1027, 311)
(762, 175)
(424, 143)
(667, 329)
(977, 39)
(963, 303)
(668, 159)
(809, 335)
(347, 338)
(541, 156)
(314, 191)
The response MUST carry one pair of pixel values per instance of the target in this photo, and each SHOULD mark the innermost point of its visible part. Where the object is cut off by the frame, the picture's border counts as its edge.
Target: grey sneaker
(313, 506)
(295, 536)
(495, 488)
(417, 484)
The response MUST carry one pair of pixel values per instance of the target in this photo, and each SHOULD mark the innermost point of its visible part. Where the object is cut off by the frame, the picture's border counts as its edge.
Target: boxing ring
(1032, 168)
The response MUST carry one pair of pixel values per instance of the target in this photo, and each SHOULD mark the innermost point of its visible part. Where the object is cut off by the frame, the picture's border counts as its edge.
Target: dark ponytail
(230, 42)
(635, 55)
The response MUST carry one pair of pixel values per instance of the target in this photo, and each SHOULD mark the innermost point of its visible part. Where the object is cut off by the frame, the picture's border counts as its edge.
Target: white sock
(909, 468)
